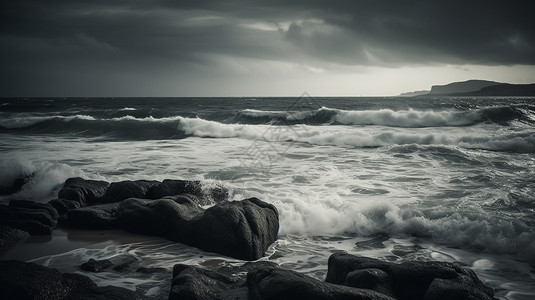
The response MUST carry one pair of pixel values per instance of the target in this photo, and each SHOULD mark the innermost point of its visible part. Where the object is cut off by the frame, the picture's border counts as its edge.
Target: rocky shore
(176, 210)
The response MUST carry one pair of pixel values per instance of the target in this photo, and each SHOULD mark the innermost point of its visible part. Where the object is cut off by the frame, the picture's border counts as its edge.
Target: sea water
(423, 178)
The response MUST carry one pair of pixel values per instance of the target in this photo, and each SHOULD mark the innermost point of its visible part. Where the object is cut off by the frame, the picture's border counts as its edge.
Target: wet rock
(62, 206)
(83, 191)
(21, 280)
(34, 218)
(192, 282)
(118, 191)
(93, 217)
(106, 293)
(170, 187)
(241, 229)
(95, 266)
(276, 283)
(9, 237)
(408, 280)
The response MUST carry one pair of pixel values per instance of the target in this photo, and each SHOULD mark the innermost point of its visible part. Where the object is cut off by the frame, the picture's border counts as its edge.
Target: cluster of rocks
(349, 277)
(171, 208)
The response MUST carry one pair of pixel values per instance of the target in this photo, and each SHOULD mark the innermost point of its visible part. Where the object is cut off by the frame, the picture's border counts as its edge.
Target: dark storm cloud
(116, 37)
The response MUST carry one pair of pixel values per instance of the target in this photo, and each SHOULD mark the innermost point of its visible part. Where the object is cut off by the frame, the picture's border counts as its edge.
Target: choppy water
(429, 178)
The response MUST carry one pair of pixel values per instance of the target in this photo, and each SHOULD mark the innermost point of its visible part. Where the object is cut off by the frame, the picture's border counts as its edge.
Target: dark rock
(170, 187)
(9, 237)
(93, 265)
(21, 280)
(458, 289)
(164, 217)
(118, 191)
(83, 191)
(30, 205)
(106, 293)
(275, 283)
(123, 262)
(93, 217)
(62, 206)
(408, 280)
(241, 229)
(191, 282)
(375, 243)
(34, 218)
(371, 279)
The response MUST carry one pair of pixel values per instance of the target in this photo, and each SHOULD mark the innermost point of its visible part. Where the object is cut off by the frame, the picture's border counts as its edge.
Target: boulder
(83, 191)
(408, 280)
(92, 217)
(62, 206)
(21, 280)
(16, 185)
(170, 187)
(241, 229)
(276, 283)
(96, 266)
(9, 237)
(105, 293)
(118, 191)
(34, 218)
(192, 282)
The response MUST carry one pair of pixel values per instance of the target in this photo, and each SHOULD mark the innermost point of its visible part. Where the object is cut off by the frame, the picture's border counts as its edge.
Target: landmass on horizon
(476, 87)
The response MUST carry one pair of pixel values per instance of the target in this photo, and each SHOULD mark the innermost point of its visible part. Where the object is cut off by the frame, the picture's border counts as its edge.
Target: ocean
(423, 178)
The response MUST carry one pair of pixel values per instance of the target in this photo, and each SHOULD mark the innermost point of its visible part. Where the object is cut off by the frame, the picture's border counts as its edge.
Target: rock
(34, 218)
(275, 283)
(95, 266)
(192, 282)
(106, 293)
(122, 190)
(170, 187)
(83, 191)
(62, 206)
(372, 279)
(9, 237)
(164, 217)
(241, 229)
(21, 280)
(93, 217)
(408, 280)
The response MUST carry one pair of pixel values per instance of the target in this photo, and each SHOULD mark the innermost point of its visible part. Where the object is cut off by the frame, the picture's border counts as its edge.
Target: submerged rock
(95, 266)
(93, 217)
(408, 280)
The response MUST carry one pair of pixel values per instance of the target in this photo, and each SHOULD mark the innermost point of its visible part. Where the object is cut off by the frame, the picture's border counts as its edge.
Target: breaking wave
(387, 117)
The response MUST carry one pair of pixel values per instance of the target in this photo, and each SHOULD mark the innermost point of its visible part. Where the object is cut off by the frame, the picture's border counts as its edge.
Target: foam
(45, 178)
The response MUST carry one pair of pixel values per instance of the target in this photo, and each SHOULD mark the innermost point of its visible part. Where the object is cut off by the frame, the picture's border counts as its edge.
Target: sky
(259, 48)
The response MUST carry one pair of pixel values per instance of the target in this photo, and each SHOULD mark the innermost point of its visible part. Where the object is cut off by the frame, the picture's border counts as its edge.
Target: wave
(149, 128)
(41, 179)
(475, 229)
(353, 137)
(387, 117)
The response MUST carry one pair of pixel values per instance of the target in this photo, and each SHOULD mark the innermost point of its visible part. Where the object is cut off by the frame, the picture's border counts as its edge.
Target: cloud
(125, 36)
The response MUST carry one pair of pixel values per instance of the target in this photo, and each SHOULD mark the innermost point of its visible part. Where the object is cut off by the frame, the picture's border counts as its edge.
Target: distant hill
(461, 87)
(415, 93)
(504, 89)
(477, 88)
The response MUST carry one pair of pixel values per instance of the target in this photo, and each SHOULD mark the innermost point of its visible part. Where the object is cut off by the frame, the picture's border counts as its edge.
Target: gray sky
(259, 48)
